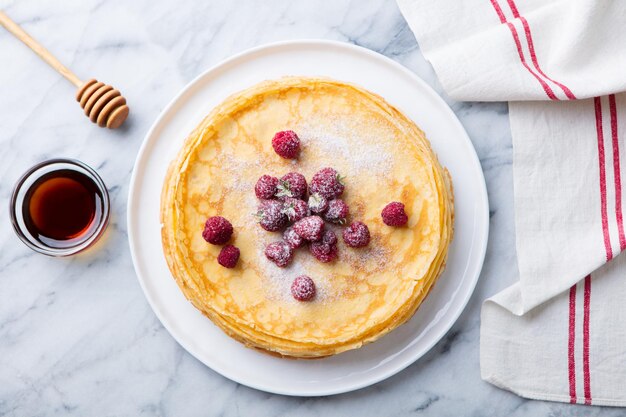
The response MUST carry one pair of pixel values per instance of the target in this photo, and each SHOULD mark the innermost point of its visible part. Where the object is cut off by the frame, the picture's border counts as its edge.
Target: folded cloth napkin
(560, 332)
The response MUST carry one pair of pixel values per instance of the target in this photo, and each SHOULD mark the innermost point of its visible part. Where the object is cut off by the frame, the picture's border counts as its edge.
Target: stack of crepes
(366, 292)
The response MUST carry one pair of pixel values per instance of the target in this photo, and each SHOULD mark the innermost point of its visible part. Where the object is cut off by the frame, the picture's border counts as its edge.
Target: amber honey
(60, 207)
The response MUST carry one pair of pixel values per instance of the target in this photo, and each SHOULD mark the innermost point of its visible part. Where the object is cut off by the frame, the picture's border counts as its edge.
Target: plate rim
(161, 118)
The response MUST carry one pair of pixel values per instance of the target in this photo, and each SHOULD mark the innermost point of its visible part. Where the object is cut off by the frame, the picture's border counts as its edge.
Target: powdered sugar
(277, 281)
(371, 259)
(233, 166)
(350, 140)
(346, 144)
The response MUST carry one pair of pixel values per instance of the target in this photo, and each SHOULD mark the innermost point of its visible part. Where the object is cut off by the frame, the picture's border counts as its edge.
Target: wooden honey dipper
(102, 103)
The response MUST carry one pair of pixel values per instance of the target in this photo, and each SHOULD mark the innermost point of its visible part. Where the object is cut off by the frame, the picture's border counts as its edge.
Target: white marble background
(77, 336)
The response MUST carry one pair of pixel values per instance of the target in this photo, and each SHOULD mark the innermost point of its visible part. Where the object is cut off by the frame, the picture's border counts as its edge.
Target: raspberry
(292, 185)
(323, 253)
(271, 215)
(279, 252)
(325, 250)
(228, 257)
(393, 214)
(292, 238)
(310, 228)
(327, 183)
(266, 187)
(303, 288)
(329, 238)
(337, 212)
(317, 203)
(217, 230)
(295, 209)
(356, 235)
(286, 144)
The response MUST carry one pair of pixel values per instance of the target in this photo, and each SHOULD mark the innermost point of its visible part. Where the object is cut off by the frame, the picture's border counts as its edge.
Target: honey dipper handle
(20, 34)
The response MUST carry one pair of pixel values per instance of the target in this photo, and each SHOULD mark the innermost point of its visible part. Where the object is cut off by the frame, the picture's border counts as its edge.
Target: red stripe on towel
(586, 374)
(520, 51)
(605, 225)
(601, 162)
(531, 49)
(617, 173)
(605, 228)
(498, 10)
(571, 343)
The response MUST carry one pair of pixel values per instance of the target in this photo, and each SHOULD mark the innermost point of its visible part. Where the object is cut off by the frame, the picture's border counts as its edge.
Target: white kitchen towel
(560, 332)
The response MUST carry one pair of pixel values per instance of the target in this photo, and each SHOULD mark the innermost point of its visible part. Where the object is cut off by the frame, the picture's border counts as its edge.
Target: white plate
(350, 370)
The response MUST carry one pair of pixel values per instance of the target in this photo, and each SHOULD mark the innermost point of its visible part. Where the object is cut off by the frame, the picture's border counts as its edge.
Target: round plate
(347, 371)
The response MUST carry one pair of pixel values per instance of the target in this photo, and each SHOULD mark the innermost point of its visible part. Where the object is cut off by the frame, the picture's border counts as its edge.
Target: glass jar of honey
(60, 207)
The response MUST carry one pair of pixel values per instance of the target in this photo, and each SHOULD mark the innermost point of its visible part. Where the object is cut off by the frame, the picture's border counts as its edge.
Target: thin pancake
(366, 292)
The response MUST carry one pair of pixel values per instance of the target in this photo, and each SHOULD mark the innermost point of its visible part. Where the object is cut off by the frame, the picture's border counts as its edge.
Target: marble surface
(77, 336)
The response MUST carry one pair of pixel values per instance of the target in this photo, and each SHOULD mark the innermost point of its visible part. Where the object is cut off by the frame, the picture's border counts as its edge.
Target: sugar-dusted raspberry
(266, 187)
(279, 252)
(329, 238)
(217, 230)
(394, 215)
(303, 288)
(327, 183)
(292, 185)
(271, 215)
(292, 238)
(228, 257)
(323, 253)
(295, 209)
(317, 203)
(325, 249)
(356, 235)
(337, 211)
(310, 228)
(286, 144)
